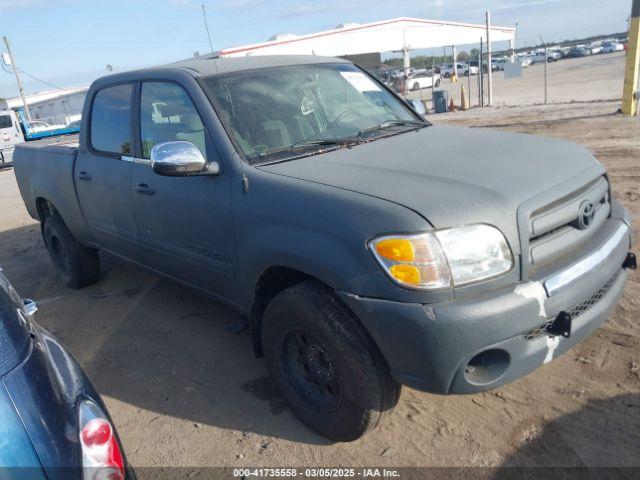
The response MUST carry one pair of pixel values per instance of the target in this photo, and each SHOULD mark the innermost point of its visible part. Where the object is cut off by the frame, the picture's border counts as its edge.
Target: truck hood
(451, 175)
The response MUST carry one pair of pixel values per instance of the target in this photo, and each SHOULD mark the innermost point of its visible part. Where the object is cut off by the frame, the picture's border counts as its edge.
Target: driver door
(184, 223)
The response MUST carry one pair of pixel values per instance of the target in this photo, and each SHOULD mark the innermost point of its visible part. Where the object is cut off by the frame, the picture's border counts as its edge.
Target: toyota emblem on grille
(585, 214)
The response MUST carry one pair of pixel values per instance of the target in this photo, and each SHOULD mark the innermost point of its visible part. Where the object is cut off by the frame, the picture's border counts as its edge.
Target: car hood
(450, 175)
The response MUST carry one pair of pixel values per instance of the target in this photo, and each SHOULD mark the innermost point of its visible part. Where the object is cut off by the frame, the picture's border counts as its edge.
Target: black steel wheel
(76, 265)
(308, 365)
(324, 363)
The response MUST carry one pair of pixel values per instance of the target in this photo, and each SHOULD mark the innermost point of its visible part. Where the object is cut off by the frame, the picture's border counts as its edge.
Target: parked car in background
(418, 81)
(472, 69)
(558, 51)
(10, 136)
(525, 62)
(38, 126)
(551, 56)
(578, 52)
(611, 47)
(595, 48)
(53, 424)
(499, 63)
(368, 247)
(448, 71)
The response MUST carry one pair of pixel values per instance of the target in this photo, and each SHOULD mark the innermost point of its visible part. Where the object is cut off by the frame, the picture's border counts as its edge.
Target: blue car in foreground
(53, 424)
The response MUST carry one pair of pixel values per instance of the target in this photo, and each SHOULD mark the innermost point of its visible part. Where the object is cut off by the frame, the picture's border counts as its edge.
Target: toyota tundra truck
(367, 248)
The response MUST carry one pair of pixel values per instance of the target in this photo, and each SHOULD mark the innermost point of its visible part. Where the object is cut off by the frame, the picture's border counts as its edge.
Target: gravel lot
(571, 80)
(185, 391)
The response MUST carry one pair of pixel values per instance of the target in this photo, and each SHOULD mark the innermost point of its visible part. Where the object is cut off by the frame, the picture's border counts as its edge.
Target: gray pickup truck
(368, 248)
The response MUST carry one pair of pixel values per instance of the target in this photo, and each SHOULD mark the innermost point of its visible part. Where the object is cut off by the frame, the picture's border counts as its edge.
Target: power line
(40, 80)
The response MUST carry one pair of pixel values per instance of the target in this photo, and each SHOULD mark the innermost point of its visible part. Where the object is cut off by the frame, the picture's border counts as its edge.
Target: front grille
(576, 310)
(555, 229)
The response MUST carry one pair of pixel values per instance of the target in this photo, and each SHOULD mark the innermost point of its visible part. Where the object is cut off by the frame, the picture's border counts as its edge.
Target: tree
(463, 56)
(474, 53)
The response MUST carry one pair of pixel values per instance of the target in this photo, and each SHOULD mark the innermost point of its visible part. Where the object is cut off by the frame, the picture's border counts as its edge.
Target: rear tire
(324, 364)
(76, 265)
(416, 87)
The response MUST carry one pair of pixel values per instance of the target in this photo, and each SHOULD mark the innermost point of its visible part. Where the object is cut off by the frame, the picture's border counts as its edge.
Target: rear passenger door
(184, 223)
(103, 172)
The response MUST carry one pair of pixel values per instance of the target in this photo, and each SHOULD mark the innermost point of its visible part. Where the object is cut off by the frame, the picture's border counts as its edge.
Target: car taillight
(101, 454)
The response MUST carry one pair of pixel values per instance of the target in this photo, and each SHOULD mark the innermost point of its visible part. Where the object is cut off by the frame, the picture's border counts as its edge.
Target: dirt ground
(576, 79)
(184, 390)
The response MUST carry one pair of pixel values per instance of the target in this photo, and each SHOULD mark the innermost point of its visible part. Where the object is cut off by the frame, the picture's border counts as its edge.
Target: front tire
(324, 364)
(76, 265)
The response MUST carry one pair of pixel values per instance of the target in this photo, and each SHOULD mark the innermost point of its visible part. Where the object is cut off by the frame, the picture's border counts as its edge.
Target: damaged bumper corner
(472, 346)
(479, 343)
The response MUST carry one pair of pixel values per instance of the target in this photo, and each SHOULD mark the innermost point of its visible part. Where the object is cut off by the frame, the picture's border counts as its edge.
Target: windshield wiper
(302, 144)
(323, 141)
(393, 123)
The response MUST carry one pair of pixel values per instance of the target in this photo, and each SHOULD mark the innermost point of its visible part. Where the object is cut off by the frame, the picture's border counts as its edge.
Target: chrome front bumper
(594, 260)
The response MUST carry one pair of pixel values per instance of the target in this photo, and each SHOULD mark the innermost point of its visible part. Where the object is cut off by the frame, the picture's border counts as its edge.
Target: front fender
(318, 230)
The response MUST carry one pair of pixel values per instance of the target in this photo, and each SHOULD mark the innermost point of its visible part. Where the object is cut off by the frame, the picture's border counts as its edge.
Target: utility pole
(514, 44)
(632, 70)
(546, 78)
(15, 71)
(489, 69)
(455, 62)
(469, 69)
(481, 92)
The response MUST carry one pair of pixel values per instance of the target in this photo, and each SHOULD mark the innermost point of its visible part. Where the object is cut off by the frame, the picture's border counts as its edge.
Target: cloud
(242, 3)
(225, 4)
(20, 3)
(311, 7)
(524, 4)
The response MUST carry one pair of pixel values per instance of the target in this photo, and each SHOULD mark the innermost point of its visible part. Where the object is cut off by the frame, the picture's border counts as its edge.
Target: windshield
(5, 121)
(273, 113)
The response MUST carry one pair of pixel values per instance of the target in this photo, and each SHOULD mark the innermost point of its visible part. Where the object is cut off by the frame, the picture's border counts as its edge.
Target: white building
(57, 107)
(394, 35)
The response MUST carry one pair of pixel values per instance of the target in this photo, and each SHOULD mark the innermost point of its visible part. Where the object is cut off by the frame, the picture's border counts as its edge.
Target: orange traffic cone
(452, 105)
(464, 101)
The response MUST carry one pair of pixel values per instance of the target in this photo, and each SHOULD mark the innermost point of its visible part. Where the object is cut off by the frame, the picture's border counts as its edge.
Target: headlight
(444, 258)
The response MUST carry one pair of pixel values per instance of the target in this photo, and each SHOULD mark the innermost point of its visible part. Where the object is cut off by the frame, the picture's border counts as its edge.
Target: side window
(111, 120)
(167, 114)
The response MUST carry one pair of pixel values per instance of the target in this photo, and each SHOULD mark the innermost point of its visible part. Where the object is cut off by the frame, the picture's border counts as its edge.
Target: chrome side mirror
(417, 106)
(30, 307)
(180, 159)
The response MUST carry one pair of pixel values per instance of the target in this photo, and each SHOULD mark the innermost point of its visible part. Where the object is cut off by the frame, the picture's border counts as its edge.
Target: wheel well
(45, 209)
(276, 279)
(272, 281)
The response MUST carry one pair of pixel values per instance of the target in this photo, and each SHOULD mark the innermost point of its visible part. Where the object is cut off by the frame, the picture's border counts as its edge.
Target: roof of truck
(218, 66)
(207, 66)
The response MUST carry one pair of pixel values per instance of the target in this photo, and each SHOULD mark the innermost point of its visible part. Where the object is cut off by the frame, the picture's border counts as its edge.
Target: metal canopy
(386, 36)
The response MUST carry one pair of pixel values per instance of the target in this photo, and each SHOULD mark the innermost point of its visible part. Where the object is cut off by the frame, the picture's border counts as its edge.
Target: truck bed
(64, 142)
(44, 170)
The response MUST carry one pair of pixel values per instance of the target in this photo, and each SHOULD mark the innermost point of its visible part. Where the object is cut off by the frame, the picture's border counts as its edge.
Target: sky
(71, 42)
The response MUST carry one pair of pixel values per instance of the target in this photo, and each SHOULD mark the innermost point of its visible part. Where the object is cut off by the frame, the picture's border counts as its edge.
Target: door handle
(145, 189)
(86, 176)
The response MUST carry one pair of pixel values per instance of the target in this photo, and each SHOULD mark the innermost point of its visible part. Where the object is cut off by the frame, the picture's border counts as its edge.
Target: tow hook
(630, 262)
(561, 325)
